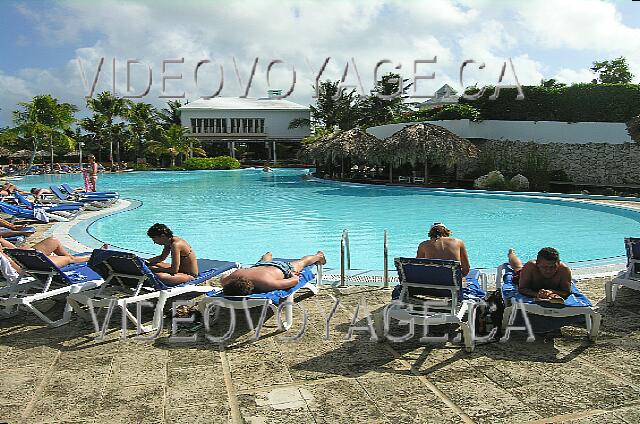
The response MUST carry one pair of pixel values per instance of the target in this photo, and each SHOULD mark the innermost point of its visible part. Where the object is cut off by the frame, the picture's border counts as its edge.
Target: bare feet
(267, 257)
(512, 251)
(322, 259)
(105, 247)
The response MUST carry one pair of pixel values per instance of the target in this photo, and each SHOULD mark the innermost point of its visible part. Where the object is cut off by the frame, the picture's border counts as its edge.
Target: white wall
(276, 122)
(537, 131)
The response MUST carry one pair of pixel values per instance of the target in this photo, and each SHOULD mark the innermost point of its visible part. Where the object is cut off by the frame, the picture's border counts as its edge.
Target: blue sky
(41, 41)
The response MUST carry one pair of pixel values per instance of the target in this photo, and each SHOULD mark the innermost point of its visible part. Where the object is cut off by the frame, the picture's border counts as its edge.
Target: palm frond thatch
(422, 143)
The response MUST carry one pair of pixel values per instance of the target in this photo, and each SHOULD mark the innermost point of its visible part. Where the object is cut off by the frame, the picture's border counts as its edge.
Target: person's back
(441, 246)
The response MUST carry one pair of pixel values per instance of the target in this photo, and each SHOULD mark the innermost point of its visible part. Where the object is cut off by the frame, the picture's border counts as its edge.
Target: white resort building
(255, 128)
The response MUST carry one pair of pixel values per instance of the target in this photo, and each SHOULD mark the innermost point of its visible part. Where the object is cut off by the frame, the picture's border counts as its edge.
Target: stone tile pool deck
(65, 375)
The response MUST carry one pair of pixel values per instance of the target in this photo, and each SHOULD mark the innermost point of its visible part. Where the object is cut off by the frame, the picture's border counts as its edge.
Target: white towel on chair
(8, 271)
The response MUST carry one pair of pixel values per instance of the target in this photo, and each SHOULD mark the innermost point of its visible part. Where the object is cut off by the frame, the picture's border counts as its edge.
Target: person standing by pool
(545, 278)
(183, 266)
(91, 174)
(442, 246)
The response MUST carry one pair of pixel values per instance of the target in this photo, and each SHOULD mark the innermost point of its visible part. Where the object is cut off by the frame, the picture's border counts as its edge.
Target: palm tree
(43, 118)
(174, 142)
(142, 125)
(171, 114)
(109, 108)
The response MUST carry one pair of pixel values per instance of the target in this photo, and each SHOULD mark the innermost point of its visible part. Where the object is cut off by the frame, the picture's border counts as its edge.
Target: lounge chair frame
(630, 277)
(592, 317)
(106, 296)
(241, 302)
(453, 308)
(25, 294)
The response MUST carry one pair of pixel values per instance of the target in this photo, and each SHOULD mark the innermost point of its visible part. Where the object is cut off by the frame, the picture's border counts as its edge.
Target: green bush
(438, 113)
(218, 162)
(141, 166)
(576, 103)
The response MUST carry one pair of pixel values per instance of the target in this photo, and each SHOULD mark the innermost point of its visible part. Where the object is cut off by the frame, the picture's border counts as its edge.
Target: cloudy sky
(41, 43)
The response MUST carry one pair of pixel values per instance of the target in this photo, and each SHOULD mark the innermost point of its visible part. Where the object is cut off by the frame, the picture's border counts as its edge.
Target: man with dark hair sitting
(545, 278)
(267, 275)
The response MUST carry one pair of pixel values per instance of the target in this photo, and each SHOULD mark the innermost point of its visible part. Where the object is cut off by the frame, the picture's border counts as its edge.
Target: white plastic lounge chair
(69, 190)
(630, 277)
(68, 210)
(402, 179)
(418, 180)
(92, 203)
(576, 307)
(435, 279)
(47, 282)
(128, 280)
(308, 282)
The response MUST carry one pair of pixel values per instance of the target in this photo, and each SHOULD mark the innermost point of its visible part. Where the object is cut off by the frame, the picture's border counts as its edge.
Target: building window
(193, 125)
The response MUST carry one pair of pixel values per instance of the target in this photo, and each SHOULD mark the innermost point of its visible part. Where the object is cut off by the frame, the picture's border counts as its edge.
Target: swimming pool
(240, 214)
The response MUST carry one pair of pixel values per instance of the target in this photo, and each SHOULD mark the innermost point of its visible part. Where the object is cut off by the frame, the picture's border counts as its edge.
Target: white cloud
(303, 32)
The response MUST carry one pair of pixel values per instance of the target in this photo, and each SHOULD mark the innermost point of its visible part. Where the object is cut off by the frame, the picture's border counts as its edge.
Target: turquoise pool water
(238, 215)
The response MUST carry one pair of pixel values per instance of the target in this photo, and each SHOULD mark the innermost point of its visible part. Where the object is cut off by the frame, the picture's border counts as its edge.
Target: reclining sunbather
(544, 278)
(7, 229)
(267, 275)
(442, 246)
(9, 188)
(183, 266)
(50, 247)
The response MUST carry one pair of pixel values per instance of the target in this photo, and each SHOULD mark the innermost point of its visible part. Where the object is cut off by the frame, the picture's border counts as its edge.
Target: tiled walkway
(64, 375)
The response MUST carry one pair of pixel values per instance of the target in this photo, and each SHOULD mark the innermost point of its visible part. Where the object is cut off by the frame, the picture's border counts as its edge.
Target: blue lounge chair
(47, 282)
(546, 316)
(440, 281)
(37, 214)
(93, 202)
(630, 277)
(308, 281)
(68, 210)
(128, 280)
(69, 190)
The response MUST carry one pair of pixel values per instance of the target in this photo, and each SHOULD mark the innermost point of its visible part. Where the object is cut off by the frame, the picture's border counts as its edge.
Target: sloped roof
(237, 103)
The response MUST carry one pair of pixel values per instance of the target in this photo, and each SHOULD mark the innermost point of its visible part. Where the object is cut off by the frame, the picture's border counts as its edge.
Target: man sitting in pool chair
(442, 246)
(267, 275)
(546, 278)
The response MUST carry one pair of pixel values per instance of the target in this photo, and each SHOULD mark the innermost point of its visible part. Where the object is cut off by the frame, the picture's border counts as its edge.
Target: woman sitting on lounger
(183, 267)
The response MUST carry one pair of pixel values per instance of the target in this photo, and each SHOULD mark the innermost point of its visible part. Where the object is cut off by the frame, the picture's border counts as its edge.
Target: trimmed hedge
(576, 103)
(218, 162)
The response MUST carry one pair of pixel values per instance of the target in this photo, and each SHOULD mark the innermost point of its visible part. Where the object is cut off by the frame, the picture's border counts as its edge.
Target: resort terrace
(53, 375)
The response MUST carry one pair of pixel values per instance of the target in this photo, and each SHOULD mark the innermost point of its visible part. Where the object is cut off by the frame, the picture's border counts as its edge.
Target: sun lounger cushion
(103, 261)
(275, 296)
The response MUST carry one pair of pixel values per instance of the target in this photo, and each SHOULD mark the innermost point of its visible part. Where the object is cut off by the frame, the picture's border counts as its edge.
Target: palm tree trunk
(111, 152)
(118, 152)
(173, 161)
(426, 172)
(51, 150)
(390, 173)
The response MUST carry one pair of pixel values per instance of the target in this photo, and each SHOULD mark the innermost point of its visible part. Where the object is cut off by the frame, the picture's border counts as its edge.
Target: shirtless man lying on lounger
(52, 248)
(544, 278)
(267, 275)
(442, 246)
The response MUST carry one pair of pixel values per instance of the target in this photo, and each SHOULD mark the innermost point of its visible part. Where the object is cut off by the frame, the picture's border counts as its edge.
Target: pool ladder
(345, 258)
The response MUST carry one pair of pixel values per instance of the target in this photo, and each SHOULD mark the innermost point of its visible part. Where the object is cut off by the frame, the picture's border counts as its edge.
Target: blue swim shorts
(285, 267)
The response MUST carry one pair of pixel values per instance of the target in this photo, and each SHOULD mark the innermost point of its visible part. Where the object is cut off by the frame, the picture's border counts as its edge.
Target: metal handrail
(344, 251)
(385, 274)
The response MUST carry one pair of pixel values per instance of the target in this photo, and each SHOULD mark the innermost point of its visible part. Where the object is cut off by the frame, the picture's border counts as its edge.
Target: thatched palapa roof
(425, 142)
